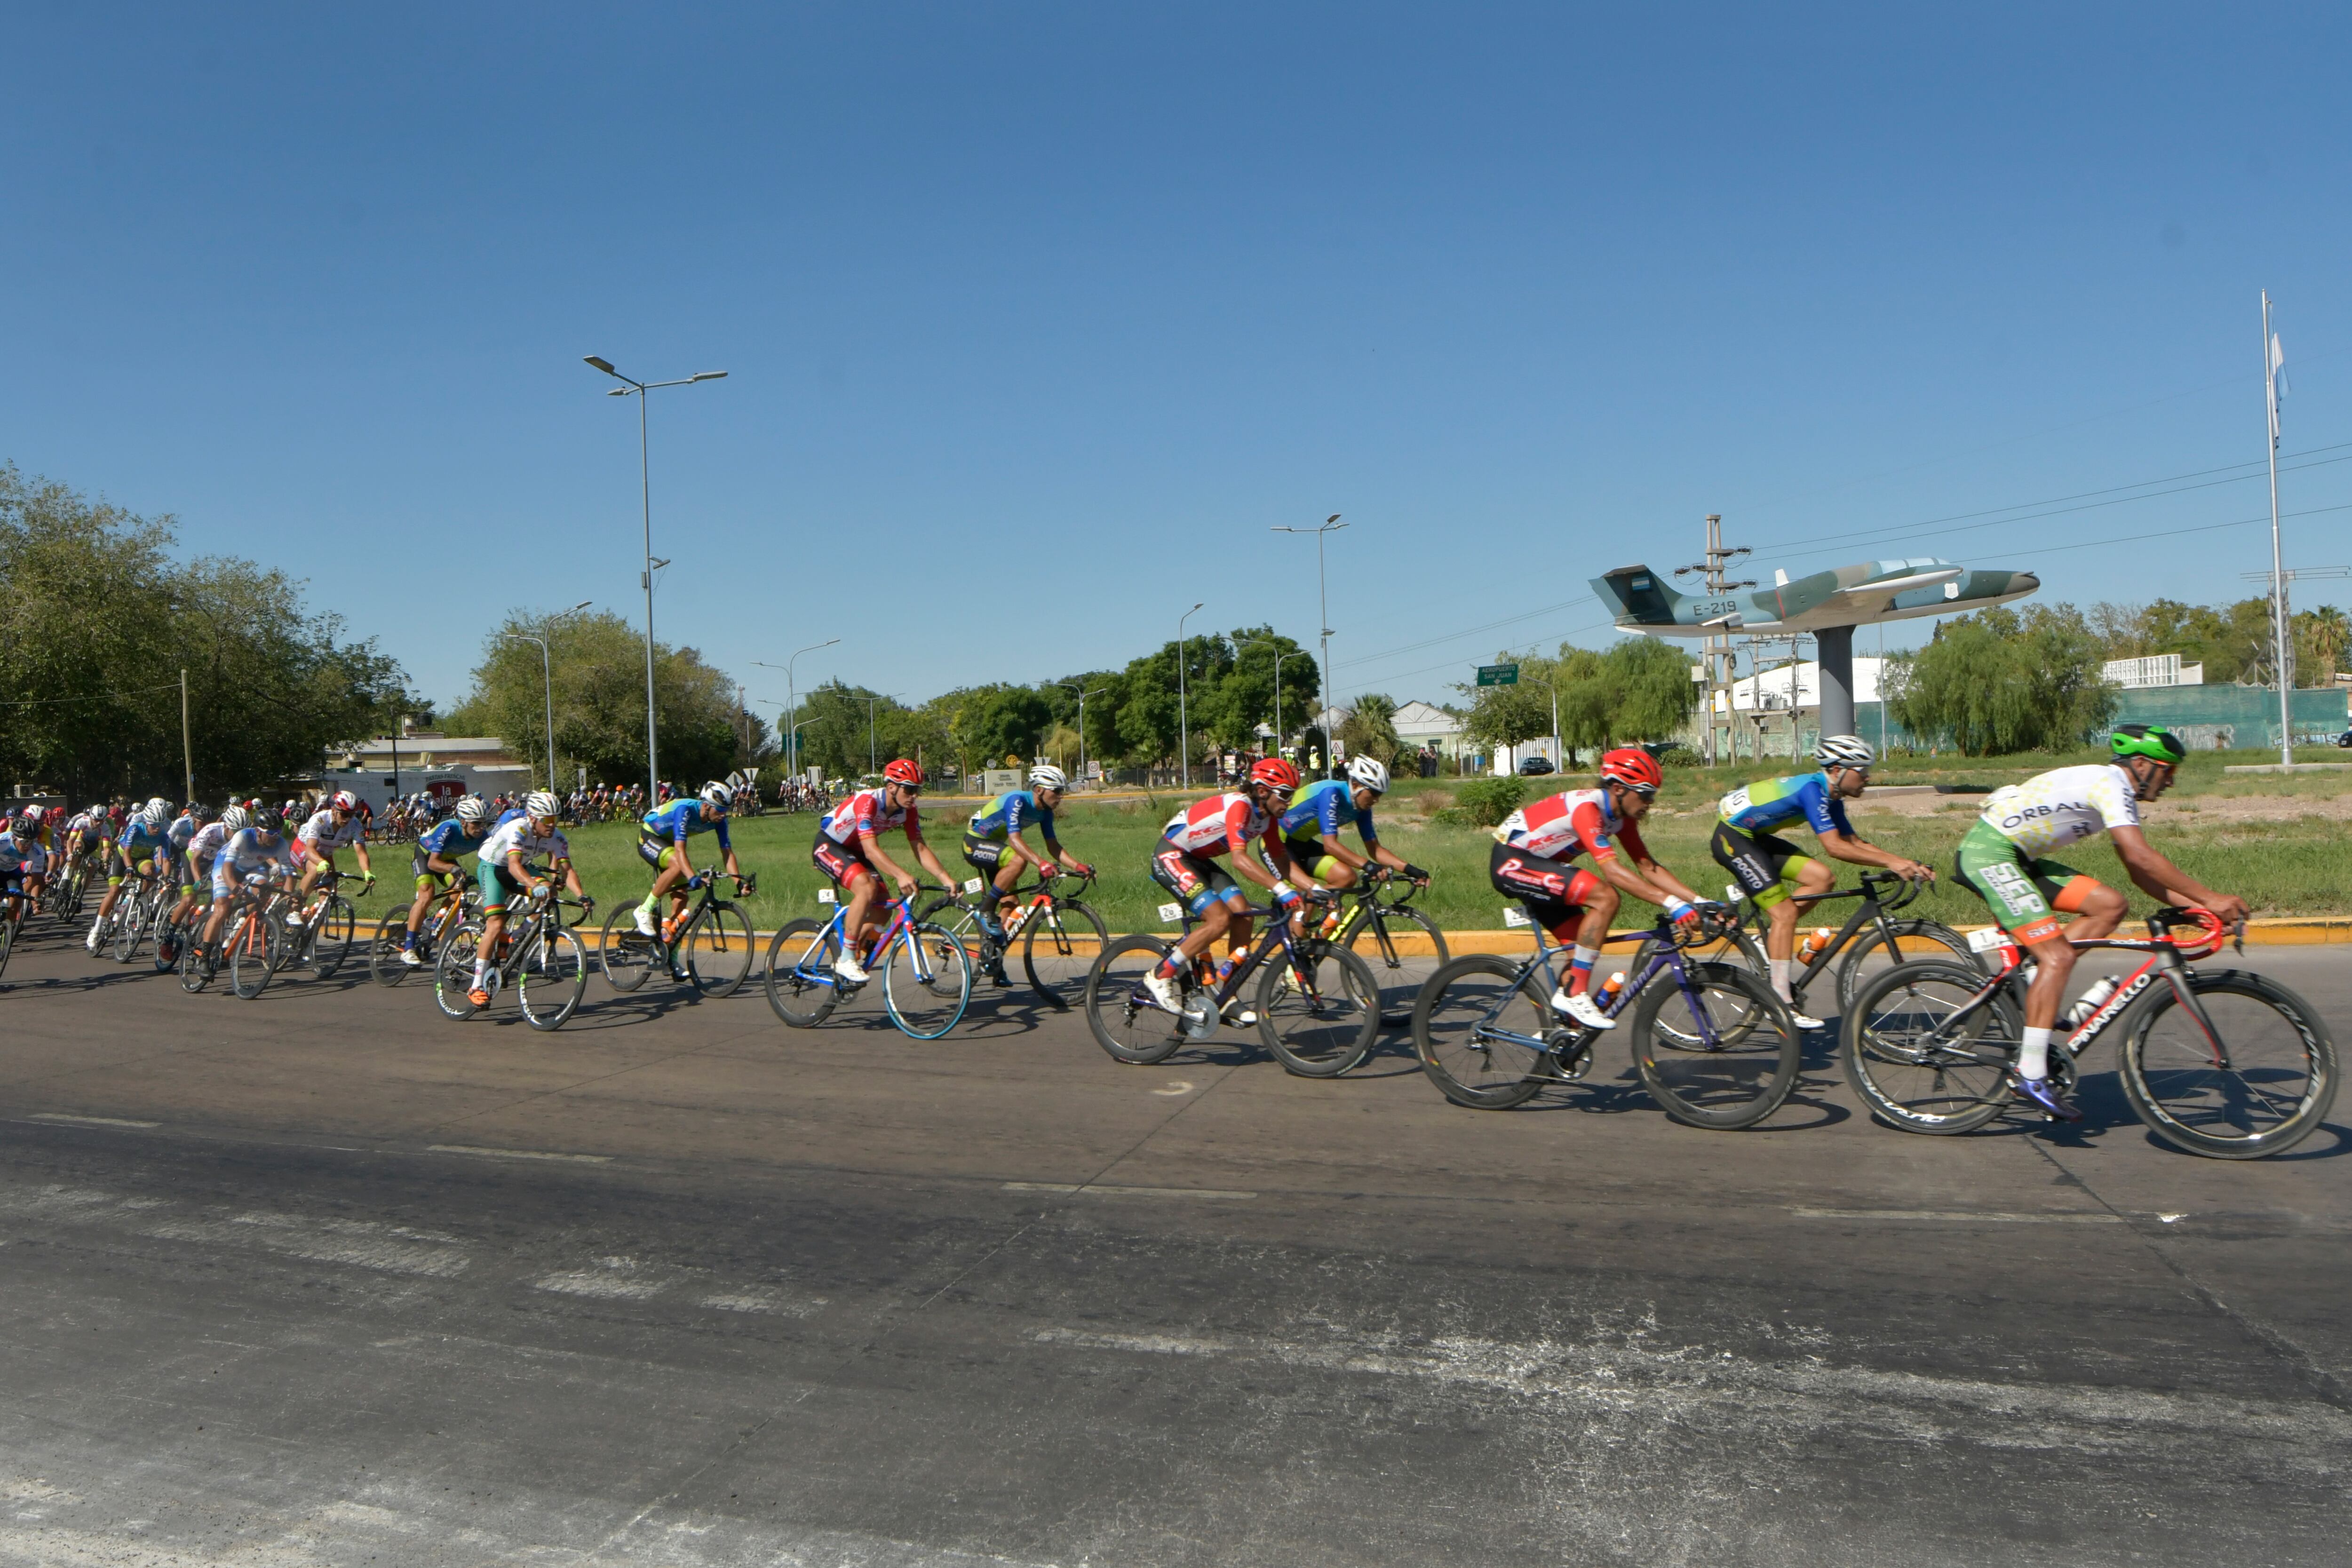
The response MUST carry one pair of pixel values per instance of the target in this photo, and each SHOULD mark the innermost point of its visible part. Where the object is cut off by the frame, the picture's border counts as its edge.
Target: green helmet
(2145, 741)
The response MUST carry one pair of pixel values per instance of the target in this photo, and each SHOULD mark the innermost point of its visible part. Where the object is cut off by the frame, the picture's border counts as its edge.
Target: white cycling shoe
(644, 920)
(1581, 1008)
(849, 969)
(1162, 989)
(1798, 1016)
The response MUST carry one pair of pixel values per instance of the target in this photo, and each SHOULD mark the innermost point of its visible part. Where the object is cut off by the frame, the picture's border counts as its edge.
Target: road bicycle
(710, 950)
(1710, 1042)
(449, 910)
(925, 973)
(540, 958)
(13, 909)
(254, 943)
(1869, 934)
(1383, 899)
(1059, 934)
(134, 917)
(1317, 1010)
(325, 940)
(2226, 1063)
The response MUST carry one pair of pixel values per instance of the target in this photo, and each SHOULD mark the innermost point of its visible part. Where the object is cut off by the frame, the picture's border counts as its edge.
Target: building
(1424, 725)
(445, 766)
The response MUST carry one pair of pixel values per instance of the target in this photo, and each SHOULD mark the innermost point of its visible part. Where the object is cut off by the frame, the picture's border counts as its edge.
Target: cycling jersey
(139, 839)
(1220, 822)
(1320, 809)
(510, 837)
(207, 843)
(1770, 804)
(681, 819)
(865, 813)
(1575, 822)
(450, 840)
(1006, 816)
(25, 855)
(245, 854)
(2062, 805)
(321, 833)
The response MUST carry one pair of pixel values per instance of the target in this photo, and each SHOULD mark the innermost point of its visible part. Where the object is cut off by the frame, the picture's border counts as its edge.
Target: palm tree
(2326, 632)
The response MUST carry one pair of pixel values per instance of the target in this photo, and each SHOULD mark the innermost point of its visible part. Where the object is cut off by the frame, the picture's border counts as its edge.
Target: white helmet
(718, 794)
(236, 819)
(1844, 751)
(157, 807)
(1369, 773)
(1045, 775)
(469, 810)
(542, 805)
(344, 801)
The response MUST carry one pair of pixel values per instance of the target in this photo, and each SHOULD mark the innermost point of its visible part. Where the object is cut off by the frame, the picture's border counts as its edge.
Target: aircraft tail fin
(1637, 596)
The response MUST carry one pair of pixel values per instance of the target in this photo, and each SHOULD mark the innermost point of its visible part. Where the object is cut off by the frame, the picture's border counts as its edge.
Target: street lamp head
(1332, 518)
(604, 365)
(618, 392)
(580, 606)
(707, 375)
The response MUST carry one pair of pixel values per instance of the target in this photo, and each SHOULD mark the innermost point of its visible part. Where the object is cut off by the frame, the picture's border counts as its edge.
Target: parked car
(1535, 765)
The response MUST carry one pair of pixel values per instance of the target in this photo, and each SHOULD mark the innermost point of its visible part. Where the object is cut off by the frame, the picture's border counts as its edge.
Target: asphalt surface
(326, 1278)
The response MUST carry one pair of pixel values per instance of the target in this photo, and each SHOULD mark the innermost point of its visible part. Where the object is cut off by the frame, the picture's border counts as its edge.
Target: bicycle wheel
(384, 950)
(452, 970)
(1740, 947)
(123, 940)
(1915, 1065)
(926, 981)
(716, 950)
(1727, 1058)
(1376, 942)
(799, 977)
(330, 936)
(1125, 1021)
(625, 953)
(195, 969)
(2274, 1087)
(7, 938)
(1326, 1026)
(1471, 1027)
(1058, 949)
(551, 978)
(1949, 947)
(260, 947)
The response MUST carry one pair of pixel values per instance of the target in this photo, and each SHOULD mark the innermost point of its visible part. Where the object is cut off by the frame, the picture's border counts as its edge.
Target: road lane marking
(1175, 1085)
(72, 1121)
(1963, 1216)
(609, 1279)
(487, 1153)
(1093, 1189)
(765, 1298)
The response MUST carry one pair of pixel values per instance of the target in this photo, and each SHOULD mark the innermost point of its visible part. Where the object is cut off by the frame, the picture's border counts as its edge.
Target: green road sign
(1498, 675)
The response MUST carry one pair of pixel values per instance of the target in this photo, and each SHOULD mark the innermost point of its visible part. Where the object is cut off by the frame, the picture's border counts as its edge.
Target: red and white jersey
(1220, 822)
(865, 813)
(1575, 822)
(321, 832)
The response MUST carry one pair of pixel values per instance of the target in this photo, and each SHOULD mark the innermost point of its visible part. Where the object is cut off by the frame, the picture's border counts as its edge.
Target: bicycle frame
(2163, 954)
(1872, 909)
(1277, 931)
(1668, 955)
(806, 969)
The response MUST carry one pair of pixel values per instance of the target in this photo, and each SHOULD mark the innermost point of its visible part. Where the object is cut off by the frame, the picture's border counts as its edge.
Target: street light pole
(547, 675)
(638, 390)
(1183, 715)
(1080, 688)
(1330, 525)
(792, 695)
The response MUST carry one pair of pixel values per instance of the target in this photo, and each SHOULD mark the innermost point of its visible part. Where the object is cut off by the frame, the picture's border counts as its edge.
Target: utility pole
(187, 748)
(1715, 648)
(2283, 645)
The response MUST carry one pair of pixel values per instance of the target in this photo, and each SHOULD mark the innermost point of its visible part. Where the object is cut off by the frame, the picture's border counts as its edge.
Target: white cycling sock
(1779, 967)
(481, 974)
(2033, 1053)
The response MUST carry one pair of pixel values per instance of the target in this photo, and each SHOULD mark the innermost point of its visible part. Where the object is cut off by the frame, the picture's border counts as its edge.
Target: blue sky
(1037, 317)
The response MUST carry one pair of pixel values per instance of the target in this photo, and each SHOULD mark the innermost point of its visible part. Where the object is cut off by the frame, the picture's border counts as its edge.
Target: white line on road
(517, 1154)
(71, 1119)
(1093, 1190)
(1960, 1216)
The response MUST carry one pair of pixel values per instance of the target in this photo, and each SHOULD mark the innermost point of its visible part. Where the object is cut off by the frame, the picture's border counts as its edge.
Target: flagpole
(2278, 567)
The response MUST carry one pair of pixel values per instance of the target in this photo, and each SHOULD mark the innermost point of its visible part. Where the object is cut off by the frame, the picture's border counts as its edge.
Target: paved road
(323, 1279)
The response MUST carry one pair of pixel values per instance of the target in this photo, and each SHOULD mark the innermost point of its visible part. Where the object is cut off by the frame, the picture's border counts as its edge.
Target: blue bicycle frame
(1667, 954)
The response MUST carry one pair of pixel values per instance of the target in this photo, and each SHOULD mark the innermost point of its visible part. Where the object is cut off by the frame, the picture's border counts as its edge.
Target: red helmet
(1273, 771)
(1636, 770)
(905, 771)
(345, 800)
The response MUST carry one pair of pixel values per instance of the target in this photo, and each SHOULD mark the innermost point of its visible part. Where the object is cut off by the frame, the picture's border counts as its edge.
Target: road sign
(1498, 675)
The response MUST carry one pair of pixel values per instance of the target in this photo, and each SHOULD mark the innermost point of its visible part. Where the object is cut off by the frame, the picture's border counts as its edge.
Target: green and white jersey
(2062, 805)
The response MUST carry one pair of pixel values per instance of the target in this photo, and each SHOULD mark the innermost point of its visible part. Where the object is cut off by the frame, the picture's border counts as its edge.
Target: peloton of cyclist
(1529, 863)
(2001, 861)
(336, 825)
(662, 840)
(1311, 826)
(252, 850)
(139, 849)
(440, 855)
(502, 866)
(994, 846)
(849, 849)
(1778, 875)
(1184, 862)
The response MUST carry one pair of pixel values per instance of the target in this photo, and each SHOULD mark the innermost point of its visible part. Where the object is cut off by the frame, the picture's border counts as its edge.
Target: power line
(93, 696)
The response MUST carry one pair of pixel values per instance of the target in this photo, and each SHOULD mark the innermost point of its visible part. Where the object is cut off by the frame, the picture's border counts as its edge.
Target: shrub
(1678, 757)
(1484, 803)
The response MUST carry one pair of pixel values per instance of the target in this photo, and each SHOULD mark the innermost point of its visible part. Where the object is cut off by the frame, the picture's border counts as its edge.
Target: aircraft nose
(2023, 583)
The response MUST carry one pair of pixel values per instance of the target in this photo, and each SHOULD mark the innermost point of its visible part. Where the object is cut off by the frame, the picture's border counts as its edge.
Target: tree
(1369, 728)
(1652, 693)
(1999, 681)
(2322, 636)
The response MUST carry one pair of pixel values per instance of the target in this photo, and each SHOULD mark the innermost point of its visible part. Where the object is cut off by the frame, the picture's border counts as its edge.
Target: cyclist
(1778, 875)
(2001, 861)
(1184, 862)
(203, 850)
(84, 833)
(252, 850)
(24, 860)
(34, 830)
(1310, 827)
(662, 840)
(849, 849)
(503, 868)
(138, 850)
(181, 836)
(994, 846)
(336, 825)
(440, 855)
(1529, 863)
